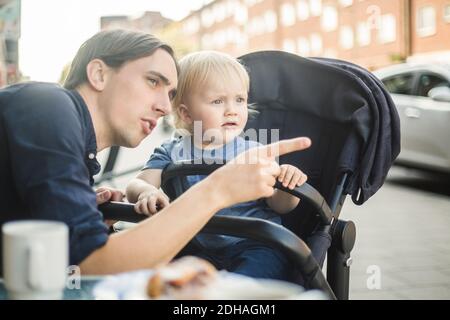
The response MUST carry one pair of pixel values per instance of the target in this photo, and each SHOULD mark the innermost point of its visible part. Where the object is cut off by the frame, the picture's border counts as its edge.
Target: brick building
(372, 33)
(150, 22)
(430, 38)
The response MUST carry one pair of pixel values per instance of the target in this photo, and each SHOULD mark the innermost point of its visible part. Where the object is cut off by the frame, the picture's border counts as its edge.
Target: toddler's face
(222, 110)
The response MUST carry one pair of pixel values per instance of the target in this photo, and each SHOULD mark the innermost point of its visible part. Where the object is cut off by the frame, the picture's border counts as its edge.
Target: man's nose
(164, 105)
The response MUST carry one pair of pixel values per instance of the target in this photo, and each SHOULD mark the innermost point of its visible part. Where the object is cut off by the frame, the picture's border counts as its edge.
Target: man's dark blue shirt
(47, 162)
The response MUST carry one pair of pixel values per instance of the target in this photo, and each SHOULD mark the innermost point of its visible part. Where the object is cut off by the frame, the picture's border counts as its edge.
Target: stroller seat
(354, 127)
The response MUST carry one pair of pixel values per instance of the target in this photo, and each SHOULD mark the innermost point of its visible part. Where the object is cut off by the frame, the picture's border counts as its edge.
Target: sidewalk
(404, 232)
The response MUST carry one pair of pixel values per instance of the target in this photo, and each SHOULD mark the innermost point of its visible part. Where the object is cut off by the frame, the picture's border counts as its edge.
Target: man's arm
(157, 240)
(48, 166)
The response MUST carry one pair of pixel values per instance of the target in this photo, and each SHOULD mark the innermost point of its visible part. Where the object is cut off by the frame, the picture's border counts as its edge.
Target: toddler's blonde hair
(199, 68)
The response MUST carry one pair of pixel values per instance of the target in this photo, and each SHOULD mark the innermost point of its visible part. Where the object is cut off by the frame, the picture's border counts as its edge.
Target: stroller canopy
(345, 100)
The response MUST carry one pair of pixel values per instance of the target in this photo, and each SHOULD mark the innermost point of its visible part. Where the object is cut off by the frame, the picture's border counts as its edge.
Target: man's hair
(114, 48)
(202, 67)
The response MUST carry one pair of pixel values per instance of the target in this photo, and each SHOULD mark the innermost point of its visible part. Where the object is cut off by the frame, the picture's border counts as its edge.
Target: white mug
(35, 259)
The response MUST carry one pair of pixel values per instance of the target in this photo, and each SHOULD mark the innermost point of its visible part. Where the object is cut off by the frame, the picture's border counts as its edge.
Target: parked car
(422, 96)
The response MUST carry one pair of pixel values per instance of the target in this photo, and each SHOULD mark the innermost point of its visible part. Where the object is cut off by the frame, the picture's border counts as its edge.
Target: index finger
(282, 147)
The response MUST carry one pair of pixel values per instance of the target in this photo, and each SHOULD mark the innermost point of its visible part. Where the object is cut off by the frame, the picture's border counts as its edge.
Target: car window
(400, 84)
(430, 81)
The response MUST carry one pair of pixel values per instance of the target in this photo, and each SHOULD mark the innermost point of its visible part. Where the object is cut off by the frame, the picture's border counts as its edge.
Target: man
(119, 84)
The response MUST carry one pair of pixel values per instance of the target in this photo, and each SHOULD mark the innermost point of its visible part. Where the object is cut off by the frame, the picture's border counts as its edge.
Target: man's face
(136, 95)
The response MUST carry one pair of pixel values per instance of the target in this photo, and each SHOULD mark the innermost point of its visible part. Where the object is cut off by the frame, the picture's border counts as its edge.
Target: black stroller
(354, 127)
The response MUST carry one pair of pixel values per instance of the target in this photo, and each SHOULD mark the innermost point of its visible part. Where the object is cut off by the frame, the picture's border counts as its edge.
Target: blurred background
(403, 235)
(39, 37)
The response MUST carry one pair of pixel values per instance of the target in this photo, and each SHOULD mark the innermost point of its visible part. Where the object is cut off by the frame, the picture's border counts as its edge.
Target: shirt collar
(90, 155)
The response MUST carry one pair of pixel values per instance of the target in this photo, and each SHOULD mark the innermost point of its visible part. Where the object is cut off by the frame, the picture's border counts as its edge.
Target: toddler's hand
(291, 176)
(151, 201)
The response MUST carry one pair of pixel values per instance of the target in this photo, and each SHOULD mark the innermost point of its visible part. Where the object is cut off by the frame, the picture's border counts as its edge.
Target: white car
(422, 96)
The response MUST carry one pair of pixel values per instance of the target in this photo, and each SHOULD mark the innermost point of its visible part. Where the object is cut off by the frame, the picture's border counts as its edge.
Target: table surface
(83, 293)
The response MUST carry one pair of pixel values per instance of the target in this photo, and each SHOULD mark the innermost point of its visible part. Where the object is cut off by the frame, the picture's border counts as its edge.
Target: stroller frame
(343, 233)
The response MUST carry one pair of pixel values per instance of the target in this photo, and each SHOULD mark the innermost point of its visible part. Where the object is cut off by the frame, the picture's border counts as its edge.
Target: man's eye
(153, 82)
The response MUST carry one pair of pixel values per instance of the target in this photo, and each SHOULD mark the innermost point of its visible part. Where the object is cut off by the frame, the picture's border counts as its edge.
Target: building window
(302, 10)
(330, 53)
(232, 34)
(256, 26)
(191, 26)
(262, 24)
(250, 27)
(241, 14)
(315, 7)
(287, 14)
(207, 18)
(345, 3)
(387, 31)
(219, 39)
(270, 19)
(426, 21)
(218, 12)
(242, 40)
(346, 37)
(207, 41)
(329, 20)
(316, 43)
(447, 13)
(239, 38)
(289, 45)
(363, 34)
(231, 7)
(303, 46)
(251, 3)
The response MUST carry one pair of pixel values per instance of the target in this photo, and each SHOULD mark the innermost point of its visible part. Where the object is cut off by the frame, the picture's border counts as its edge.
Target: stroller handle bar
(261, 230)
(305, 191)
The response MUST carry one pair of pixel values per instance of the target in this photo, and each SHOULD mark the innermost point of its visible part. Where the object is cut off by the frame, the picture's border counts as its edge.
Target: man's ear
(96, 71)
(184, 114)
